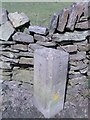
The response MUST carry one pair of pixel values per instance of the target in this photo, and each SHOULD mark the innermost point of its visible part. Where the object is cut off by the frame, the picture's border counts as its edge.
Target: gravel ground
(17, 101)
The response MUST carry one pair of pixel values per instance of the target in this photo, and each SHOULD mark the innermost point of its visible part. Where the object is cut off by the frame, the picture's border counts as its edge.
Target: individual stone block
(83, 25)
(9, 49)
(34, 46)
(3, 16)
(73, 63)
(72, 18)
(40, 38)
(24, 54)
(80, 9)
(74, 75)
(88, 73)
(63, 17)
(5, 78)
(5, 73)
(53, 24)
(70, 48)
(16, 68)
(88, 48)
(7, 42)
(27, 61)
(86, 61)
(75, 14)
(50, 74)
(5, 59)
(7, 54)
(6, 30)
(20, 47)
(46, 44)
(79, 66)
(18, 19)
(87, 9)
(82, 47)
(84, 71)
(5, 65)
(88, 57)
(83, 43)
(23, 75)
(78, 56)
(68, 36)
(77, 80)
(83, 19)
(23, 37)
(38, 30)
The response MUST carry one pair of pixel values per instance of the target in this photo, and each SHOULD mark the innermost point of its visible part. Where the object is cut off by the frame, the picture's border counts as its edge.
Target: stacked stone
(16, 63)
(23, 68)
(6, 56)
(70, 29)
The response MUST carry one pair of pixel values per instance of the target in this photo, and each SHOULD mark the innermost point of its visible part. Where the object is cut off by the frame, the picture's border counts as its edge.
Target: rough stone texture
(78, 56)
(6, 30)
(83, 19)
(86, 9)
(28, 61)
(22, 37)
(3, 16)
(74, 36)
(46, 44)
(63, 18)
(77, 80)
(74, 74)
(85, 42)
(18, 19)
(84, 71)
(5, 78)
(20, 47)
(23, 75)
(77, 10)
(18, 101)
(83, 25)
(5, 65)
(80, 9)
(72, 18)
(5, 73)
(38, 30)
(34, 47)
(82, 47)
(51, 83)
(40, 38)
(9, 49)
(23, 54)
(53, 24)
(7, 54)
(70, 48)
(79, 66)
(5, 59)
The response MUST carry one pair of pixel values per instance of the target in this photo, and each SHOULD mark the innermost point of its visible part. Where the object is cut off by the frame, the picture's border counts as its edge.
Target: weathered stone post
(50, 75)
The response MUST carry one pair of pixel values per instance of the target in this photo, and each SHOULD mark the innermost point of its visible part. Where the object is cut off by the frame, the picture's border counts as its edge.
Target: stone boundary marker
(50, 77)
(69, 31)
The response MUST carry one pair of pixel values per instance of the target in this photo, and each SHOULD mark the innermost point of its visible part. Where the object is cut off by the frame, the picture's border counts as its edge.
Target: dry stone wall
(69, 31)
